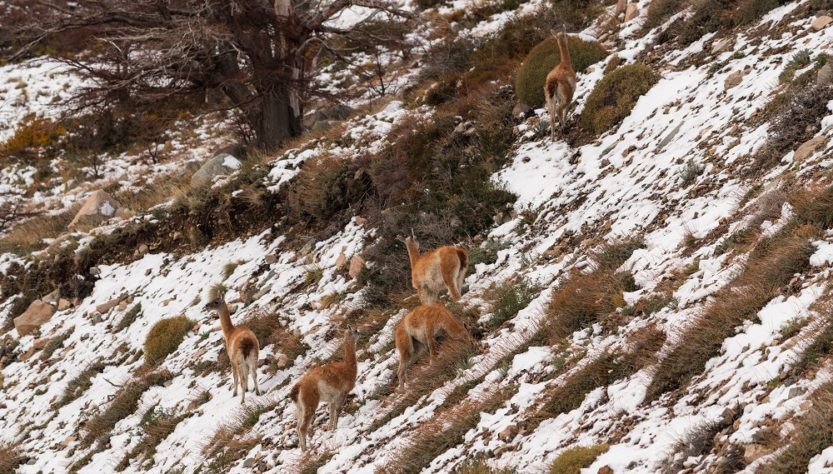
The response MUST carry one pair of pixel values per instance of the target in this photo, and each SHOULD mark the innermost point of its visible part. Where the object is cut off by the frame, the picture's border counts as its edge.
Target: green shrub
(164, 337)
(573, 460)
(529, 85)
(615, 95)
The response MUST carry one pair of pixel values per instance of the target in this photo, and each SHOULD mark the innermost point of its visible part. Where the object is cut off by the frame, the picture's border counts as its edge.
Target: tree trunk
(276, 119)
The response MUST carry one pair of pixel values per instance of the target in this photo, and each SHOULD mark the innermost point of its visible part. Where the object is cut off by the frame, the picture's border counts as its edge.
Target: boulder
(327, 115)
(753, 452)
(103, 308)
(221, 165)
(809, 147)
(825, 74)
(356, 266)
(99, 207)
(631, 12)
(820, 22)
(733, 80)
(35, 315)
(721, 45)
(521, 110)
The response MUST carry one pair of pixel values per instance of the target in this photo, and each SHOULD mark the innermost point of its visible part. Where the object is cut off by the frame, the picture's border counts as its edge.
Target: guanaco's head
(351, 336)
(215, 297)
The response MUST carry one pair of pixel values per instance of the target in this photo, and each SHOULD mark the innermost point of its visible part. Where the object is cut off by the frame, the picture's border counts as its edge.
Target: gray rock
(825, 74)
(221, 165)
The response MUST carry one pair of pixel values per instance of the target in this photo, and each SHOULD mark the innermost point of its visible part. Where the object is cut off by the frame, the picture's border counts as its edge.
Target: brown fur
(242, 348)
(329, 383)
(560, 86)
(430, 271)
(417, 331)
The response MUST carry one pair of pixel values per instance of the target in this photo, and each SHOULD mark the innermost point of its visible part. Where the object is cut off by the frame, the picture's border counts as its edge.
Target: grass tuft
(164, 337)
(573, 460)
(615, 96)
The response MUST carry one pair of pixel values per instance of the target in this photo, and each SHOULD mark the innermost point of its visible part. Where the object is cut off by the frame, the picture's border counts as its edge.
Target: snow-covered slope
(627, 184)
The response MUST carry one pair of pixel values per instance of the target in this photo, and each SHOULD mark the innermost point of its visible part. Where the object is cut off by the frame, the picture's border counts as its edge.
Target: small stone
(282, 361)
(819, 23)
(825, 74)
(27, 355)
(63, 304)
(795, 392)
(103, 308)
(360, 220)
(40, 343)
(605, 470)
(520, 110)
(631, 12)
(356, 266)
(808, 148)
(507, 434)
(733, 80)
(249, 463)
(342, 259)
(722, 44)
(271, 259)
(123, 305)
(753, 452)
(143, 249)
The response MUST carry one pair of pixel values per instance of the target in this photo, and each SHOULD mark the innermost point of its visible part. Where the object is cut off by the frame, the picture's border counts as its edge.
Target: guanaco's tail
(293, 394)
(464, 258)
(247, 345)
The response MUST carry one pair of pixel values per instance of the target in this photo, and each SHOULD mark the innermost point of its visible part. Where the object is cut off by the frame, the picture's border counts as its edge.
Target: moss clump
(529, 85)
(615, 95)
(164, 337)
(573, 460)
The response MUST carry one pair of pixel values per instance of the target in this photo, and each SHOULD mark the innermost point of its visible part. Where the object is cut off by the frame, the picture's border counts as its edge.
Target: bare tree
(261, 55)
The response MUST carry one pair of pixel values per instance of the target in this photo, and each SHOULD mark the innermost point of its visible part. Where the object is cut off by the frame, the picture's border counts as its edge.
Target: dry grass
(604, 370)
(770, 266)
(125, 404)
(811, 436)
(234, 439)
(129, 317)
(29, 235)
(54, 344)
(573, 460)
(508, 299)
(10, 459)
(442, 432)
(77, 386)
(584, 298)
(269, 330)
(613, 97)
(479, 465)
(156, 426)
(164, 337)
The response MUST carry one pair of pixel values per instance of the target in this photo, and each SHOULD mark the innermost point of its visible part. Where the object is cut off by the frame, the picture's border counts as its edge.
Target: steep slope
(630, 243)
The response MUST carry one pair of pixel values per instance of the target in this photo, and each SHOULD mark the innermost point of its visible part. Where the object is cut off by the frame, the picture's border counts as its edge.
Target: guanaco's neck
(225, 318)
(413, 252)
(562, 48)
(350, 354)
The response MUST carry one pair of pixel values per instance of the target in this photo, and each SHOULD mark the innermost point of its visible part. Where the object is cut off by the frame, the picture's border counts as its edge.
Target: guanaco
(417, 331)
(560, 86)
(330, 383)
(241, 345)
(444, 266)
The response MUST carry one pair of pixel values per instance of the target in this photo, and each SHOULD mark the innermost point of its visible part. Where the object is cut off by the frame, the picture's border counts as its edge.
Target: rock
(52, 298)
(809, 147)
(103, 308)
(819, 23)
(825, 74)
(27, 355)
(328, 115)
(122, 305)
(733, 80)
(221, 165)
(753, 452)
(35, 315)
(99, 207)
(271, 259)
(249, 463)
(507, 434)
(342, 259)
(40, 343)
(722, 44)
(143, 248)
(520, 110)
(605, 470)
(63, 304)
(356, 266)
(282, 361)
(795, 392)
(631, 12)
(360, 220)
(69, 440)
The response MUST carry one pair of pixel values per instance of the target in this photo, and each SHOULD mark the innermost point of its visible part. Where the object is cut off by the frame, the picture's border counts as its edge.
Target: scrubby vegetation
(157, 424)
(573, 460)
(812, 435)
(615, 96)
(713, 16)
(529, 83)
(164, 337)
(10, 459)
(77, 386)
(510, 298)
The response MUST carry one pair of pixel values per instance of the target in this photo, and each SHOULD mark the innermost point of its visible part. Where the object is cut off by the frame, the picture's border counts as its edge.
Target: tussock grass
(604, 370)
(529, 84)
(613, 97)
(235, 438)
(157, 424)
(584, 298)
(442, 432)
(770, 266)
(54, 344)
(812, 435)
(423, 377)
(77, 386)
(508, 299)
(10, 459)
(573, 460)
(478, 465)
(164, 337)
(125, 404)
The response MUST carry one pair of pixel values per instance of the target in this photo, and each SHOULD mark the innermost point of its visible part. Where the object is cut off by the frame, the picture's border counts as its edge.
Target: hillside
(649, 292)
